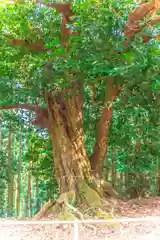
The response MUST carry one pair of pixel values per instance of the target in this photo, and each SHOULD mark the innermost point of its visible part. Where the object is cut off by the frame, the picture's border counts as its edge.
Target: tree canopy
(33, 58)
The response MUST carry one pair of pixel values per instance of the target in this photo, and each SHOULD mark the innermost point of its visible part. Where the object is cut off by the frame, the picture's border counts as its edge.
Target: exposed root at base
(45, 208)
(63, 208)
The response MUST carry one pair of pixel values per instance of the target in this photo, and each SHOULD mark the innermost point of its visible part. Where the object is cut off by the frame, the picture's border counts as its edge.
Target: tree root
(109, 190)
(60, 207)
(92, 197)
(77, 212)
(45, 208)
(104, 188)
(63, 208)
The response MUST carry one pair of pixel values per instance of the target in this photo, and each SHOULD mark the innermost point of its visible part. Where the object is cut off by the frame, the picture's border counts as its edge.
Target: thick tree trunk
(72, 164)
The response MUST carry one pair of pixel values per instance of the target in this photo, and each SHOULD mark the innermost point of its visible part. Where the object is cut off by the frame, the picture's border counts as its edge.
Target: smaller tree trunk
(26, 207)
(107, 169)
(37, 195)
(126, 175)
(10, 175)
(19, 176)
(103, 127)
(29, 193)
(122, 179)
(158, 177)
(114, 174)
(30, 189)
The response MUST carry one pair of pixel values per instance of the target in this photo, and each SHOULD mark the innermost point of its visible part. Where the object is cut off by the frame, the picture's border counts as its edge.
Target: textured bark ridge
(65, 118)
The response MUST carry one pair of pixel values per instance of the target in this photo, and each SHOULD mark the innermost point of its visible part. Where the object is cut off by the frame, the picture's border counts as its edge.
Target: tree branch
(41, 118)
(35, 47)
(64, 8)
(133, 26)
(20, 106)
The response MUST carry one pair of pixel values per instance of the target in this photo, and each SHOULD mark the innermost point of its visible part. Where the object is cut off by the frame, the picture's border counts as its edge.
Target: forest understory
(135, 208)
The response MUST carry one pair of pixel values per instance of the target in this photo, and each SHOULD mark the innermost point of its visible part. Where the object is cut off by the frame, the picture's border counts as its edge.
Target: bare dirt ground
(125, 231)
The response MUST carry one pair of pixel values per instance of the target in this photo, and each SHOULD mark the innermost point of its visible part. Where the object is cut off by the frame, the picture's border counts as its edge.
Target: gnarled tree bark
(66, 127)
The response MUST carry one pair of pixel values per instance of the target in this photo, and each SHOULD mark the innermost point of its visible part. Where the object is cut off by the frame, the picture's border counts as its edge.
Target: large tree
(52, 54)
